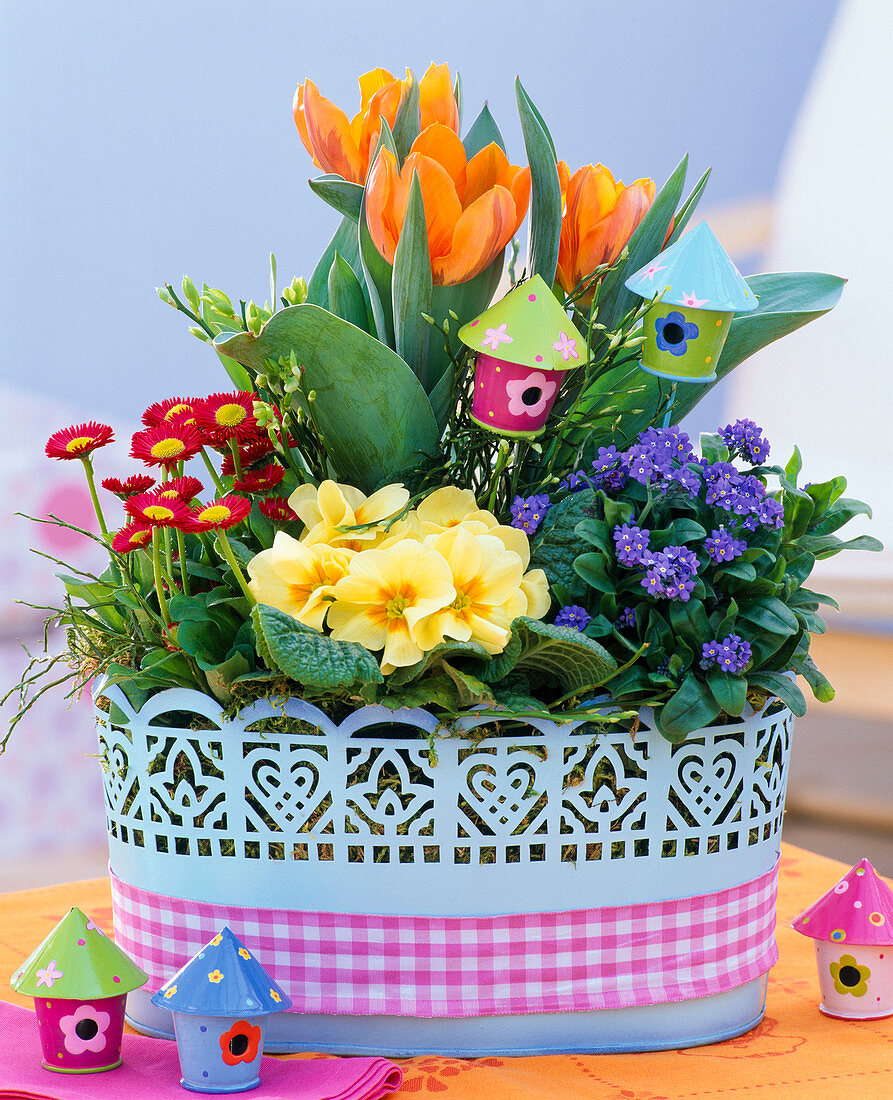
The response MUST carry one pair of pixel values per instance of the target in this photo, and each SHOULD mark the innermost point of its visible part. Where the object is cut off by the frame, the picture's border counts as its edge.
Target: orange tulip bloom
(343, 146)
(599, 216)
(473, 208)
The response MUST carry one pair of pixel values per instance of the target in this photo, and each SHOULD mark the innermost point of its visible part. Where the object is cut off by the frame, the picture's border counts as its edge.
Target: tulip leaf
(545, 190)
(647, 241)
(369, 430)
(344, 196)
(345, 243)
(457, 95)
(441, 397)
(346, 294)
(377, 274)
(411, 289)
(686, 210)
(408, 123)
(483, 132)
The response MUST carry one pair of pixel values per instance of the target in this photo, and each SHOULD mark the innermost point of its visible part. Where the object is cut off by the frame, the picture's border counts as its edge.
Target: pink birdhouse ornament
(852, 926)
(525, 345)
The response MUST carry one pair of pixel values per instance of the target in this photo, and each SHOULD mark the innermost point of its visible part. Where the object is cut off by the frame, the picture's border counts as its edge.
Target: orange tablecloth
(796, 1053)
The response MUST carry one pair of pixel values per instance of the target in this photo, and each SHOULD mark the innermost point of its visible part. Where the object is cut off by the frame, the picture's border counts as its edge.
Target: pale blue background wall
(142, 140)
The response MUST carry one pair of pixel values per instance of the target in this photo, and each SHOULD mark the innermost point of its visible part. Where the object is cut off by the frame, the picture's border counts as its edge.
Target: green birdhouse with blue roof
(697, 290)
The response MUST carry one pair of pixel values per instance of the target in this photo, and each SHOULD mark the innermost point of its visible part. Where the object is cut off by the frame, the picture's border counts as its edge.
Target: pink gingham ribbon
(583, 959)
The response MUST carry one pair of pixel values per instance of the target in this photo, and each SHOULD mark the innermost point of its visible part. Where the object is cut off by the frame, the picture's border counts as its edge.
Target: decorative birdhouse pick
(214, 999)
(79, 980)
(525, 345)
(852, 926)
(701, 290)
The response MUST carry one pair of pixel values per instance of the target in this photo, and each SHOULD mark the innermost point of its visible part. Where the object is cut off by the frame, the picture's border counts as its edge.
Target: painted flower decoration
(530, 396)
(244, 953)
(343, 146)
(216, 976)
(78, 440)
(566, 347)
(169, 992)
(493, 337)
(49, 974)
(473, 208)
(85, 1030)
(689, 299)
(673, 333)
(849, 976)
(241, 1043)
(275, 996)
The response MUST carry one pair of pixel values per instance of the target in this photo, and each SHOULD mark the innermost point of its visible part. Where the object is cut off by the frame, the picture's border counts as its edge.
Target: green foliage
(545, 191)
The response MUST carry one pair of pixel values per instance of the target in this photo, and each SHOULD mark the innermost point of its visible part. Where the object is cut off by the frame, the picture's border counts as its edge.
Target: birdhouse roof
(77, 961)
(529, 327)
(858, 910)
(223, 979)
(696, 272)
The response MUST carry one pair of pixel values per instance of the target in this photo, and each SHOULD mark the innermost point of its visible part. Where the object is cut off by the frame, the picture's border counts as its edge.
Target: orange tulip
(473, 208)
(343, 146)
(599, 216)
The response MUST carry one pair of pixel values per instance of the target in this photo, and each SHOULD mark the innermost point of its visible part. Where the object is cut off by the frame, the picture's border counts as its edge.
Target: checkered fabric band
(362, 964)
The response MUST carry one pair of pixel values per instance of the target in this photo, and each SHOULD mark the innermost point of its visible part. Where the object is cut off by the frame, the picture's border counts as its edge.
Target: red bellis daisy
(180, 488)
(261, 480)
(250, 455)
(78, 440)
(276, 510)
(166, 444)
(225, 416)
(156, 511)
(220, 514)
(136, 483)
(170, 411)
(132, 537)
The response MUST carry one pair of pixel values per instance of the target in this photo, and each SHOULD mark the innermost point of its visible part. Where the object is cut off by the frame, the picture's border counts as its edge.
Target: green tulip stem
(227, 551)
(217, 482)
(184, 572)
(159, 583)
(91, 484)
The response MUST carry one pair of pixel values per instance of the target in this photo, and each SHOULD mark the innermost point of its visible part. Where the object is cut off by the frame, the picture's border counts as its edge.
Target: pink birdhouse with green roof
(697, 291)
(79, 980)
(524, 345)
(852, 926)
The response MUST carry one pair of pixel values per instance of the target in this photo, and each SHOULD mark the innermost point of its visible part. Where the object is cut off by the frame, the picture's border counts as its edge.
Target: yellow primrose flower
(487, 579)
(333, 506)
(534, 584)
(293, 577)
(385, 595)
(448, 507)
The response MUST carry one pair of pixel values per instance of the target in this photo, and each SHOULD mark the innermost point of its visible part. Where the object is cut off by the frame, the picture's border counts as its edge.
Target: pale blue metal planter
(360, 818)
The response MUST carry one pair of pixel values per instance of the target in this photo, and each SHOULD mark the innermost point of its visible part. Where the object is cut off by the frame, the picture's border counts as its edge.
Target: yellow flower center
(140, 538)
(167, 448)
(176, 411)
(396, 605)
(170, 494)
(75, 445)
(157, 512)
(462, 602)
(215, 513)
(230, 415)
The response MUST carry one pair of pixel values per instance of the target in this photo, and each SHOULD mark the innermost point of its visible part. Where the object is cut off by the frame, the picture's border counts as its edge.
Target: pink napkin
(151, 1071)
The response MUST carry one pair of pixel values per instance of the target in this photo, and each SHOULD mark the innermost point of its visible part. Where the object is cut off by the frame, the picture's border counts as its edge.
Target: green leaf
(345, 244)
(825, 493)
(567, 657)
(408, 123)
(344, 196)
(689, 621)
(730, 692)
(690, 708)
(794, 465)
(469, 689)
(616, 511)
(713, 448)
(221, 677)
(436, 656)
(594, 571)
(467, 300)
(646, 242)
(826, 546)
(818, 682)
(545, 189)
(769, 614)
(483, 132)
(679, 532)
(369, 430)
(559, 544)
(346, 298)
(686, 210)
(412, 287)
(437, 691)
(442, 398)
(741, 570)
(839, 514)
(313, 659)
(779, 685)
(597, 532)
(378, 273)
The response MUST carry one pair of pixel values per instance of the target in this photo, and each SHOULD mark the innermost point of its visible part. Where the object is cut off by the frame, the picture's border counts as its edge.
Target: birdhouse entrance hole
(673, 333)
(533, 394)
(86, 1029)
(238, 1045)
(849, 976)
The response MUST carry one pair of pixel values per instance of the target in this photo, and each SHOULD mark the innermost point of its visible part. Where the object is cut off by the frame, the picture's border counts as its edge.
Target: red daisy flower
(170, 411)
(153, 510)
(180, 488)
(249, 455)
(136, 483)
(78, 440)
(221, 513)
(226, 416)
(261, 480)
(131, 537)
(166, 444)
(276, 510)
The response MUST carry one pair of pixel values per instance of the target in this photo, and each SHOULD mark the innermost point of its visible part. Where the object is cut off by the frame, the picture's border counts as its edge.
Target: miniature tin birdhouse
(852, 926)
(219, 1000)
(700, 291)
(79, 980)
(525, 345)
